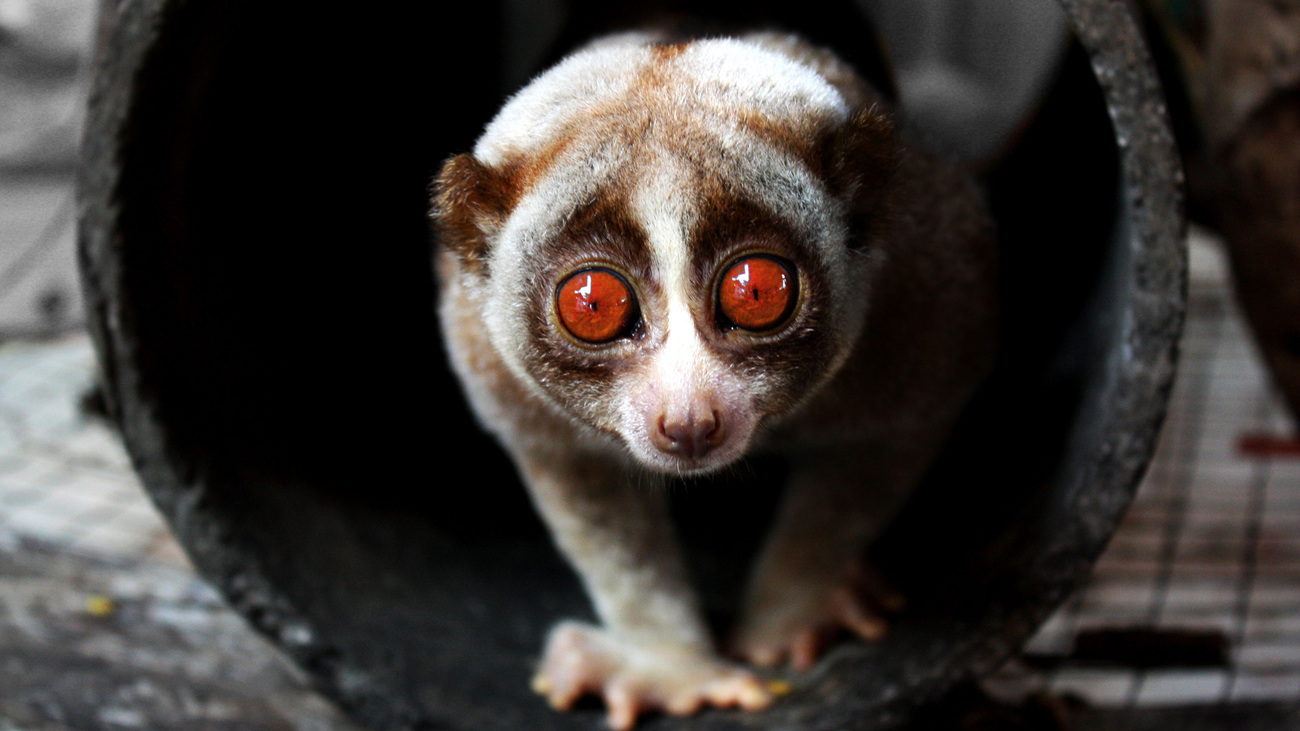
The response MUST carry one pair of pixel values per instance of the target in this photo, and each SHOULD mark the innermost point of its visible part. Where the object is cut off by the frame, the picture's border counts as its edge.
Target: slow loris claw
(580, 659)
(800, 624)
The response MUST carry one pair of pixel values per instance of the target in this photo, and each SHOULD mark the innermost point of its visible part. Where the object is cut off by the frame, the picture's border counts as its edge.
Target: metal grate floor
(1198, 593)
(65, 479)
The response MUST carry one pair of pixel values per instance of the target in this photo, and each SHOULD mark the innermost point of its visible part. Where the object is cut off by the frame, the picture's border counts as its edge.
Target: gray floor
(103, 624)
(105, 644)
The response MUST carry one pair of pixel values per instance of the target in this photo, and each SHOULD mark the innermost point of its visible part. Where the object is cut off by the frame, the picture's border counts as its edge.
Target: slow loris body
(662, 257)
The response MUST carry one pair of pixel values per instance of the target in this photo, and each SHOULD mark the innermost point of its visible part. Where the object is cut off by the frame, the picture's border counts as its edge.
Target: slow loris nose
(689, 433)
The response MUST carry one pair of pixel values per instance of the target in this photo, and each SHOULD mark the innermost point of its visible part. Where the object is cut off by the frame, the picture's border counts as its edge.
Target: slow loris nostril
(690, 434)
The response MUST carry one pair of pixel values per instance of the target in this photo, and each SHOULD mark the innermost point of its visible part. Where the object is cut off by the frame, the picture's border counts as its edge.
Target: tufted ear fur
(863, 157)
(470, 203)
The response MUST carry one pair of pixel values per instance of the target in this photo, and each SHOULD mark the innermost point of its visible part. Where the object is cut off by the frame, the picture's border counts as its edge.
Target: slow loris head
(659, 238)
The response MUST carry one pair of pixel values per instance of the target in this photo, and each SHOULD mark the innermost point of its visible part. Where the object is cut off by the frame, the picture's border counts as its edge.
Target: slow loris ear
(863, 158)
(470, 203)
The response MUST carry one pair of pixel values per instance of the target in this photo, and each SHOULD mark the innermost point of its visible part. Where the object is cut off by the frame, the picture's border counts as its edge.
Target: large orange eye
(758, 292)
(596, 305)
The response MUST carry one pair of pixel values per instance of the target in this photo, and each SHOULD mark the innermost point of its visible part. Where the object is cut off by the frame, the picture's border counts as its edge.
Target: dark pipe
(253, 236)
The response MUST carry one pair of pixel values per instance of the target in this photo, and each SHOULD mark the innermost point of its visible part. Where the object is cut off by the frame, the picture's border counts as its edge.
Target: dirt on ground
(89, 645)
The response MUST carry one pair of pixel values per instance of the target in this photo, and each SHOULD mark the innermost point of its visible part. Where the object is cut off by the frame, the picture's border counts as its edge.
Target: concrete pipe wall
(255, 250)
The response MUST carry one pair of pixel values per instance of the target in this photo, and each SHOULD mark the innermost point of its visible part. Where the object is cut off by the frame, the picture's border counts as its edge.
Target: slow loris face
(663, 254)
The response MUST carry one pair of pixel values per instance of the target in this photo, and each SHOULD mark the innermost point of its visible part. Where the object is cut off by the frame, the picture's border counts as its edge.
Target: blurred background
(1194, 608)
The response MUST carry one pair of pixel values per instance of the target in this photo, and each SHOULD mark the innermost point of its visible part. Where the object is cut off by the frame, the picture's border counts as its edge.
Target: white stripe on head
(739, 74)
(540, 114)
(662, 205)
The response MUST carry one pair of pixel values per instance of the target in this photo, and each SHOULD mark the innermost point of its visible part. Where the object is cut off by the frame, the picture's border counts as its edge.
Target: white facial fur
(600, 125)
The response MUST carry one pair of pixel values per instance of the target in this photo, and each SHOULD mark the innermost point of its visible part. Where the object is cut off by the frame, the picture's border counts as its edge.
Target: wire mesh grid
(64, 477)
(1197, 598)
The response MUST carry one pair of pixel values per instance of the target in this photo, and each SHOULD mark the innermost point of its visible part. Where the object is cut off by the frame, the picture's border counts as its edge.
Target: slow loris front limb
(653, 651)
(811, 579)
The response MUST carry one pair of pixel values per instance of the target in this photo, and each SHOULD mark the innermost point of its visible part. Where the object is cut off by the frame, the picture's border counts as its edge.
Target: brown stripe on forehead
(728, 223)
(668, 51)
(804, 136)
(527, 168)
(811, 140)
(613, 120)
(603, 229)
(624, 118)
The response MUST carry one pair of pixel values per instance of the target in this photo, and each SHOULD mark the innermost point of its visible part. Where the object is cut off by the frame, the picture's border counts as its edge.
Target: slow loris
(661, 257)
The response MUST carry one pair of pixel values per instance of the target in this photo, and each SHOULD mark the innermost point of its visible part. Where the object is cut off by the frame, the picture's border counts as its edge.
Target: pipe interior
(276, 279)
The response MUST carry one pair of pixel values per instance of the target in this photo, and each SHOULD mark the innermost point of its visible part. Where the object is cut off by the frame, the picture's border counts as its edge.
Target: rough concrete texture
(89, 645)
(43, 46)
